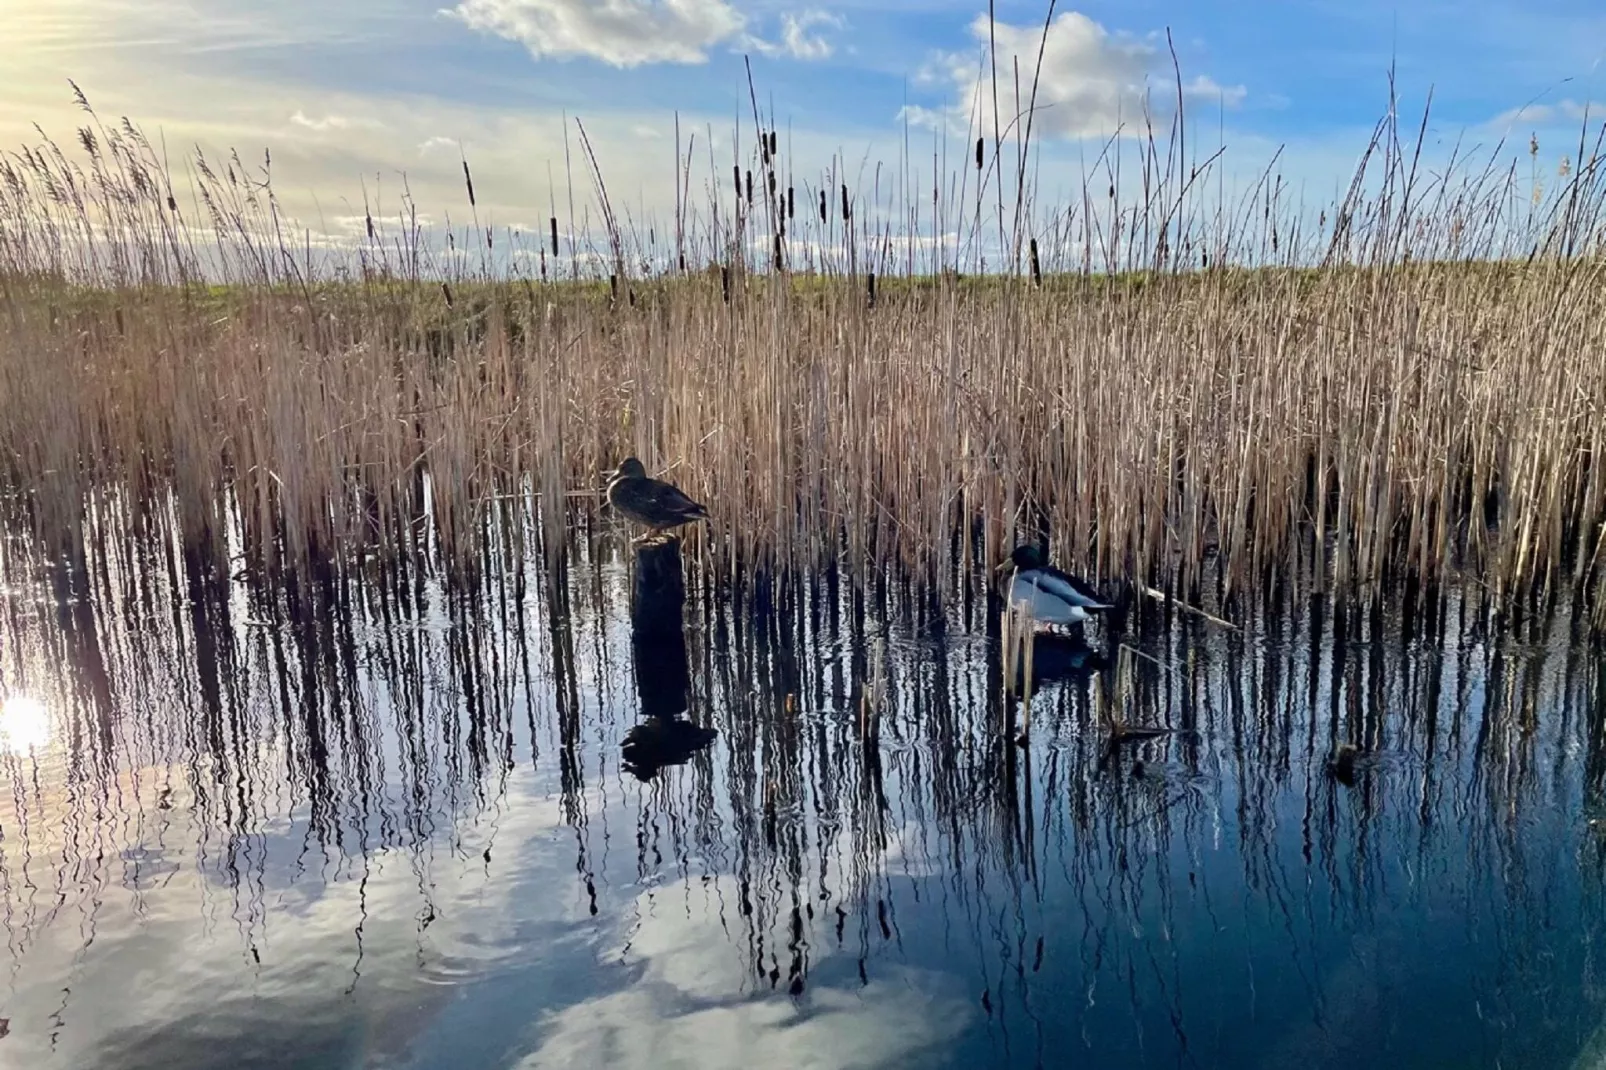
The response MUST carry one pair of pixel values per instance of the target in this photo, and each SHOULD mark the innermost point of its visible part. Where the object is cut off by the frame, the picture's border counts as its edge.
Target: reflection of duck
(650, 502)
(1051, 596)
(662, 741)
(1057, 658)
(1342, 763)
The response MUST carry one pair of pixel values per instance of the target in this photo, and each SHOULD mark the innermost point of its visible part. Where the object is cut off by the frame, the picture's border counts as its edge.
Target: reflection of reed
(835, 756)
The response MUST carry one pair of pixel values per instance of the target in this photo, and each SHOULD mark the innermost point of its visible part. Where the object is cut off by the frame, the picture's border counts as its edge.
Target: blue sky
(353, 93)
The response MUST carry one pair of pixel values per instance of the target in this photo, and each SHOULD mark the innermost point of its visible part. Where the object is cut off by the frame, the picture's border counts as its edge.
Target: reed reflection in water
(378, 821)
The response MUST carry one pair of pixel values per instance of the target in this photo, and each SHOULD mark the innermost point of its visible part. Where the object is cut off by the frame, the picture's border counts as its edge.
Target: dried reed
(1410, 386)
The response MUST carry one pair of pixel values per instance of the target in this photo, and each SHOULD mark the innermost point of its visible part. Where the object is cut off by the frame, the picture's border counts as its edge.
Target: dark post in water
(659, 592)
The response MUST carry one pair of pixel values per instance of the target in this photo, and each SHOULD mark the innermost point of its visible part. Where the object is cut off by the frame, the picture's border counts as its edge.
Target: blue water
(404, 835)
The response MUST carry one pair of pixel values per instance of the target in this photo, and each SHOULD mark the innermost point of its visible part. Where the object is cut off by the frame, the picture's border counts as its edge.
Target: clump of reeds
(1408, 384)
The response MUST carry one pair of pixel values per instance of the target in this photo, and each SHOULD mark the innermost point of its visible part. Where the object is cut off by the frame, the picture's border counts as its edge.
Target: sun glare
(24, 725)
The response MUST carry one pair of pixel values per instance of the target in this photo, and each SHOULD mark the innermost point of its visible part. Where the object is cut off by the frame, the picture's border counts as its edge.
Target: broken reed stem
(1165, 599)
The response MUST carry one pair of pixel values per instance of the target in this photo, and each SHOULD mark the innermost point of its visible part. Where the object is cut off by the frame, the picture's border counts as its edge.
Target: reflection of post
(659, 591)
(662, 679)
(658, 641)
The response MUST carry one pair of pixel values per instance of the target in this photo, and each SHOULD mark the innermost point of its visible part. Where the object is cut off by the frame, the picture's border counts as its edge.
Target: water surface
(419, 828)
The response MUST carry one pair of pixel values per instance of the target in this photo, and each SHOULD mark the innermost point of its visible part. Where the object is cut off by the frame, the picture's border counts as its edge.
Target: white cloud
(1203, 87)
(434, 144)
(328, 122)
(801, 37)
(622, 33)
(1564, 111)
(1091, 84)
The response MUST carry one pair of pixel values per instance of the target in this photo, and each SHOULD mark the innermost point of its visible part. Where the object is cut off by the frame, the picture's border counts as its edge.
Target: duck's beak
(1006, 563)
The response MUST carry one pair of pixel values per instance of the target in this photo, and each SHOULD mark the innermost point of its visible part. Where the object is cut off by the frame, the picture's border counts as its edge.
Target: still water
(425, 829)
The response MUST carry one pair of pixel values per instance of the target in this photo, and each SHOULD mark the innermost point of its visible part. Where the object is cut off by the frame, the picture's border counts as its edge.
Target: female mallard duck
(1049, 595)
(652, 502)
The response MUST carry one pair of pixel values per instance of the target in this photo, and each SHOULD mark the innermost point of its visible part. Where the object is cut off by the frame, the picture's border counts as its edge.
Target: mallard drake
(652, 502)
(1049, 595)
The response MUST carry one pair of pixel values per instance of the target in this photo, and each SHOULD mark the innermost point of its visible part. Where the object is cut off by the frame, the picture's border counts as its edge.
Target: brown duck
(650, 502)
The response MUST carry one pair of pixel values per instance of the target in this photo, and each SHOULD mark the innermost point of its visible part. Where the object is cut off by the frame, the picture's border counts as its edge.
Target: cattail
(1037, 270)
(554, 235)
(791, 203)
(736, 171)
(980, 146)
(822, 206)
(469, 180)
(447, 292)
(847, 212)
(749, 187)
(870, 288)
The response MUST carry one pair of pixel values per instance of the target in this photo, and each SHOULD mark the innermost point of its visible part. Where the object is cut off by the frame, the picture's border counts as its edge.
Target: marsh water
(423, 826)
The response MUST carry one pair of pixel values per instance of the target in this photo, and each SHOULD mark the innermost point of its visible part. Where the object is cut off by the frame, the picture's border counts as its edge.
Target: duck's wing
(1045, 604)
(670, 499)
(1074, 591)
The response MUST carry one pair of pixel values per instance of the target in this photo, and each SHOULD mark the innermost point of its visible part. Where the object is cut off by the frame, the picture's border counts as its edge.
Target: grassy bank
(1376, 402)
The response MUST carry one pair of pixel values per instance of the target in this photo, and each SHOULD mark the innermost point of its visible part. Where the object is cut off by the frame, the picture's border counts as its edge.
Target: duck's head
(1023, 557)
(629, 468)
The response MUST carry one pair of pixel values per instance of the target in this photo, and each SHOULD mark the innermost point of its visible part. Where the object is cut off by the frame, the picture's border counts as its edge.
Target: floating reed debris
(1417, 398)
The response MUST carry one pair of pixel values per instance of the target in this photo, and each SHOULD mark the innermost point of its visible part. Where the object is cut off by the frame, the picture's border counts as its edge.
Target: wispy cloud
(1091, 82)
(1563, 111)
(622, 33)
(801, 36)
(325, 123)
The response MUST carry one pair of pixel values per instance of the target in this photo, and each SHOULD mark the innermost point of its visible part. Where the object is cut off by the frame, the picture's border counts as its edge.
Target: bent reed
(1409, 383)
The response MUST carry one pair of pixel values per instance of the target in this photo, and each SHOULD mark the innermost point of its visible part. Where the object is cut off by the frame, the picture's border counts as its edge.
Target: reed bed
(1407, 384)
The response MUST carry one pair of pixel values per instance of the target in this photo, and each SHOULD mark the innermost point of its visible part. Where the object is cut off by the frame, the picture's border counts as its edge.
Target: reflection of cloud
(680, 1011)
(906, 856)
(269, 968)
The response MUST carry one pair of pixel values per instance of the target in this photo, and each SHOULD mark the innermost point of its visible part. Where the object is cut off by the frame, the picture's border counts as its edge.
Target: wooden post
(659, 592)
